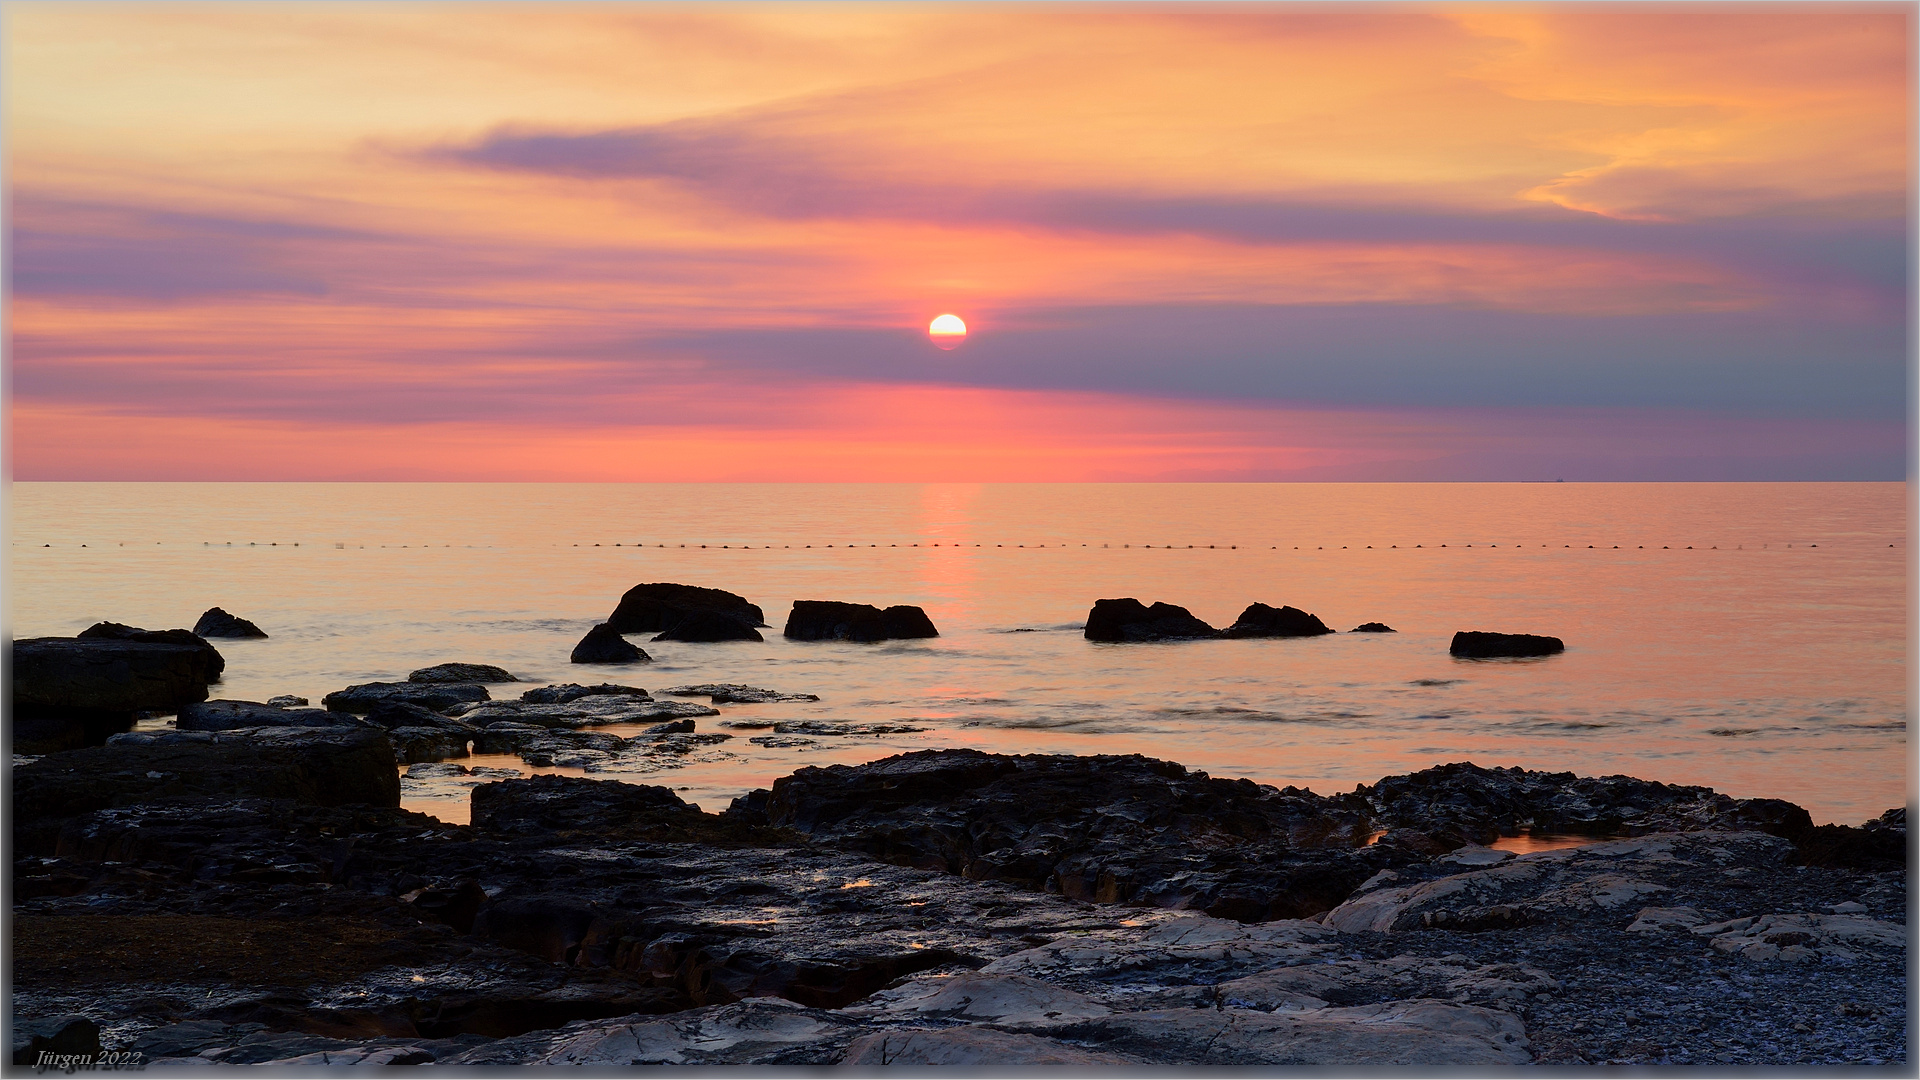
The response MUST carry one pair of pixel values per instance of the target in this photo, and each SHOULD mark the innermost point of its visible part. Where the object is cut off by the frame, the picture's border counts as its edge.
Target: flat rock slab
(759, 1031)
(439, 697)
(565, 692)
(320, 766)
(591, 711)
(737, 693)
(976, 1047)
(1400, 1033)
(1480, 644)
(226, 715)
(1599, 882)
(833, 620)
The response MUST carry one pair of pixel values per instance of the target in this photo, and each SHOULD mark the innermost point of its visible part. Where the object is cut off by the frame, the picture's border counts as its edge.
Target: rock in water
(656, 607)
(113, 631)
(565, 692)
(1127, 619)
(1259, 620)
(604, 645)
(439, 697)
(217, 623)
(460, 673)
(73, 692)
(832, 620)
(1372, 628)
(71, 1037)
(709, 626)
(228, 715)
(1476, 644)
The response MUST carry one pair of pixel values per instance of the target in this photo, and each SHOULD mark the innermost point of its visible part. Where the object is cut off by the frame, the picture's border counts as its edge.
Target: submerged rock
(604, 645)
(833, 620)
(217, 623)
(709, 626)
(439, 697)
(1372, 628)
(1259, 620)
(461, 673)
(656, 607)
(1477, 644)
(1127, 619)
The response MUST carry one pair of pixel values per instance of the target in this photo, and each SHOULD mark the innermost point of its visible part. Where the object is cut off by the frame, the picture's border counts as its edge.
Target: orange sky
(1192, 241)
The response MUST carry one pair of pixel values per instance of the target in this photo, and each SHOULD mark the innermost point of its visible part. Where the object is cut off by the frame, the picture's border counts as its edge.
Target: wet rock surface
(604, 645)
(1127, 619)
(216, 623)
(1259, 620)
(655, 607)
(736, 693)
(439, 697)
(1110, 829)
(600, 923)
(586, 711)
(226, 715)
(565, 692)
(833, 620)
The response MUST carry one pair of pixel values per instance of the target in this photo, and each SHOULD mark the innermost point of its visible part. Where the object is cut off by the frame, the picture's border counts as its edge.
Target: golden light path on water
(1750, 637)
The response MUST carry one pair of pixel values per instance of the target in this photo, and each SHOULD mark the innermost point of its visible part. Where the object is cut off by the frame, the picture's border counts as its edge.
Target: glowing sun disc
(947, 331)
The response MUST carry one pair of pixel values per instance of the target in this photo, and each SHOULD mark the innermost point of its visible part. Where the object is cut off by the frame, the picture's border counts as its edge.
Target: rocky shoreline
(207, 897)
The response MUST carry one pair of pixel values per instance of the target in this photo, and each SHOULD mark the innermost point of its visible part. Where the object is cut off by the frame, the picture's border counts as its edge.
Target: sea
(1750, 637)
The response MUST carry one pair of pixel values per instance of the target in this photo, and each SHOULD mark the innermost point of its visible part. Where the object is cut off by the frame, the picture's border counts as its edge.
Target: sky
(1191, 242)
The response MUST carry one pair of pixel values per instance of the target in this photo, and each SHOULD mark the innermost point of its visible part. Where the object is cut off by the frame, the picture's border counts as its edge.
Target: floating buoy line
(1036, 547)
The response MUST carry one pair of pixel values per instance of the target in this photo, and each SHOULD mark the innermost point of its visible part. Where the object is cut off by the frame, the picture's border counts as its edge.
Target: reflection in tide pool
(1746, 636)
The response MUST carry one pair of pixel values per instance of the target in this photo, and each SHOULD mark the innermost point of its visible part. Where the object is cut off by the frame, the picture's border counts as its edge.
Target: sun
(947, 331)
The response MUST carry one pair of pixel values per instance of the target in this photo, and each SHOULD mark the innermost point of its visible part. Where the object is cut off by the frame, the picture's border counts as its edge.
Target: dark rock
(225, 715)
(327, 766)
(366, 697)
(461, 673)
(709, 626)
(736, 693)
(604, 645)
(832, 620)
(412, 744)
(1372, 628)
(565, 692)
(405, 714)
(1127, 619)
(547, 803)
(1465, 803)
(1480, 645)
(456, 905)
(1108, 829)
(656, 607)
(286, 701)
(73, 692)
(594, 710)
(217, 623)
(113, 631)
(1259, 620)
(56, 1044)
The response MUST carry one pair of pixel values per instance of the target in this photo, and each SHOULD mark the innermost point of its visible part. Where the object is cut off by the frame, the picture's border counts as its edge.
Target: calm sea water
(1747, 636)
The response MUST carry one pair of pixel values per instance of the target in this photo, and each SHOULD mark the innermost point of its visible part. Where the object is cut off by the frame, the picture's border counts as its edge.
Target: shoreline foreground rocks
(255, 895)
(74, 692)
